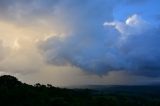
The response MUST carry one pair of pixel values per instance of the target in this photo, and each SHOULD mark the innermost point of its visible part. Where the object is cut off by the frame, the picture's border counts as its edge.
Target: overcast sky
(81, 42)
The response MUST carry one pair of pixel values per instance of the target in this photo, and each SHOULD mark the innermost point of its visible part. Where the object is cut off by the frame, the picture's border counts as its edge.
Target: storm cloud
(132, 46)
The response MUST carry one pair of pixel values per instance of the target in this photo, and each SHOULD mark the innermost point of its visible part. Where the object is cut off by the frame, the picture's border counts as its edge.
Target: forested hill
(15, 93)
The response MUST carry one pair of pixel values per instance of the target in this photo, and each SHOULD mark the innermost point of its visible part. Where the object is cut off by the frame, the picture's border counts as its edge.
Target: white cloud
(134, 25)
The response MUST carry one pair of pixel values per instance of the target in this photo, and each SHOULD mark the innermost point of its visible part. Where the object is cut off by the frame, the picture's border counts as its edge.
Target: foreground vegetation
(16, 93)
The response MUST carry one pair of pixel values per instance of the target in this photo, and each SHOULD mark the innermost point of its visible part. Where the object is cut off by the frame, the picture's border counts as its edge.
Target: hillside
(15, 93)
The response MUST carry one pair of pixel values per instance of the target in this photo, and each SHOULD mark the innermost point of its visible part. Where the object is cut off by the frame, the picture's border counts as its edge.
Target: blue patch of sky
(149, 10)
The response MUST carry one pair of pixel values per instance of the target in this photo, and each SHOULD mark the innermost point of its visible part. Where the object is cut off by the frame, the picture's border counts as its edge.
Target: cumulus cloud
(87, 38)
(140, 46)
(132, 46)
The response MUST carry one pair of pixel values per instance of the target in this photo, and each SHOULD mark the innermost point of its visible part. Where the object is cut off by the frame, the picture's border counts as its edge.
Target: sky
(81, 42)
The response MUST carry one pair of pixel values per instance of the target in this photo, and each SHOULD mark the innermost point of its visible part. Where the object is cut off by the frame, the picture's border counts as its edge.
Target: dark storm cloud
(88, 40)
(142, 53)
(132, 46)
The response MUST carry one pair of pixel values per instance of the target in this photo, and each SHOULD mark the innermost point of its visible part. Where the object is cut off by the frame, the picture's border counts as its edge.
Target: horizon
(91, 87)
